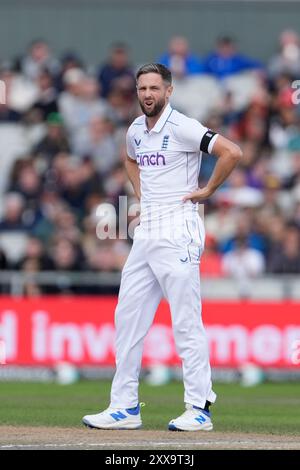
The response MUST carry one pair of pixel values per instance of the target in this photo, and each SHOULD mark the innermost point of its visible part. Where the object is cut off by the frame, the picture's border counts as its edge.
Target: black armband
(206, 139)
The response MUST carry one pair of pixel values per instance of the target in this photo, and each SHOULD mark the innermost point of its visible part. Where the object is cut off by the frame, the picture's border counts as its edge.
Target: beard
(156, 109)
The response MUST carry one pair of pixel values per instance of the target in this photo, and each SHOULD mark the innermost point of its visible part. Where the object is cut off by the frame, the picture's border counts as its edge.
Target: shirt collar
(162, 120)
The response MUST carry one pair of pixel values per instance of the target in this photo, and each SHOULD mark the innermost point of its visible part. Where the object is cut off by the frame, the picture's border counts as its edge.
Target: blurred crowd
(62, 131)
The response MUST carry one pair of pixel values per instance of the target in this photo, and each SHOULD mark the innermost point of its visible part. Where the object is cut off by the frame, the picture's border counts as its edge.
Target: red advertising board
(48, 330)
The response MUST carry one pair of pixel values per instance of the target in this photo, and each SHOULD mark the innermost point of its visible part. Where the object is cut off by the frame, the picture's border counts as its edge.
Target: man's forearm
(134, 176)
(222, 170)
(229, 154)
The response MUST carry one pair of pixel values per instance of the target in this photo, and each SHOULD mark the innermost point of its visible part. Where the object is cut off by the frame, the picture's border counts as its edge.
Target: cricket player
(164, 157)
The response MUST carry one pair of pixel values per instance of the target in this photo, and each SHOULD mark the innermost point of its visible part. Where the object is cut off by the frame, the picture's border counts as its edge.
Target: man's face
(153, 93)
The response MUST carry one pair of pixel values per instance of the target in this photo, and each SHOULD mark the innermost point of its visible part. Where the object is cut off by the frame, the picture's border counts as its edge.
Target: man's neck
(151, 121)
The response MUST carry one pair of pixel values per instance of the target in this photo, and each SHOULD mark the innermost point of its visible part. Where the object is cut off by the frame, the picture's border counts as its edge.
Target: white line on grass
(232, 444)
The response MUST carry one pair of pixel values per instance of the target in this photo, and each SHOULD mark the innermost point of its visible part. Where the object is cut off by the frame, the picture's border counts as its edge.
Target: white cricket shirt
(169, 159)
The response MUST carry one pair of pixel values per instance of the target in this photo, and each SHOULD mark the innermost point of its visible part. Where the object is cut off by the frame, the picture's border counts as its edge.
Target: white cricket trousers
(156, 268)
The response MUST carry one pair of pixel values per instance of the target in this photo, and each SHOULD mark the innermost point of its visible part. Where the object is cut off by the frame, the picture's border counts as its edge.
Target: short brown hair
(163, 71)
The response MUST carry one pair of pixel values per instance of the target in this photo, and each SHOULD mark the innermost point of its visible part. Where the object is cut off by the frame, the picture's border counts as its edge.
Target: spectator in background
(35, 253)
(257, 172)
(7, 75)
(65, 256)
(286, 260)
(211, 260)
(288, 58)
(292, 181)
(226, 60)
(54, 142)
(12, 219)
(28, 184)
(221, 221)
(243, 264)
(70, 60)
(91, 178)
(240, 193)
(72, 188)
(20, 92)
(50, 205)
(27, 181)
(123, 106)
(90, 242)
(46, 102)
(116, 70)
(38, 57)
(283, 121)
(66, 225)
(69, 99)
(59, 165)
(275, 229)
(245, 230)
(97, 141)
(179, 59)
(116, 184)
(252, 123)
(108, 256)
(80, 103)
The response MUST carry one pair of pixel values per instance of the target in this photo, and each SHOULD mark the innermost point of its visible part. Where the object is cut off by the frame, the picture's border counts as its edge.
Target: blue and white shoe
(115, 418)
(193, 419)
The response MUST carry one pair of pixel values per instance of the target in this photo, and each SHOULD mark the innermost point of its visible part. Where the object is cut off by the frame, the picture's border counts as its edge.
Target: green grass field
(267, 408)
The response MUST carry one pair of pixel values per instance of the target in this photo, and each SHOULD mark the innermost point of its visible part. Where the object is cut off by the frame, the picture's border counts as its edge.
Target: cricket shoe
(115, 418)
(193, 419)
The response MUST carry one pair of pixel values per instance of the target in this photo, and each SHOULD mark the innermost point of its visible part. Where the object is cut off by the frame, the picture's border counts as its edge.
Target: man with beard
(164, 156)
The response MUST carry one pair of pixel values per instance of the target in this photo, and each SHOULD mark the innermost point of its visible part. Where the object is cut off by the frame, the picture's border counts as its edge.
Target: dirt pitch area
(39, 438)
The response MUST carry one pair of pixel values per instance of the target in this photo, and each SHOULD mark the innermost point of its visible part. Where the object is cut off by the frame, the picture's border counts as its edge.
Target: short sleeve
(129, 145)
(195, 137)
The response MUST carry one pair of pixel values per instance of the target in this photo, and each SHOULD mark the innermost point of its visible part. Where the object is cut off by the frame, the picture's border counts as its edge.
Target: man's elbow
(235, 154)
